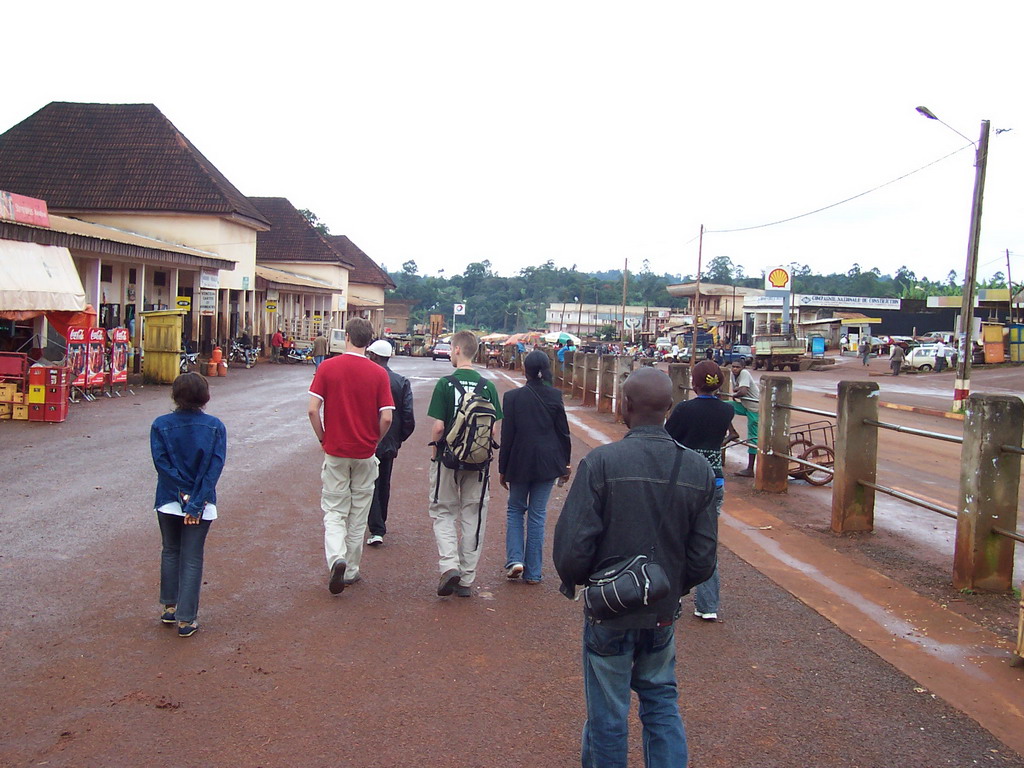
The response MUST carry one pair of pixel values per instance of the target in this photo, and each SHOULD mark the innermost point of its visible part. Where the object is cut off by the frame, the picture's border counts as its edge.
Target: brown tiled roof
(365, 269)
(291, 237)
(115, 157)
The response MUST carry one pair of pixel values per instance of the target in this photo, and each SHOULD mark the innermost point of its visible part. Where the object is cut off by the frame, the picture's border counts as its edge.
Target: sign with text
(97, 338)
(207, 303)
(77, 347)
(460, 309)
(271, 306)
(119, 355)
(183, 302)
(24, 210)
(209, 279)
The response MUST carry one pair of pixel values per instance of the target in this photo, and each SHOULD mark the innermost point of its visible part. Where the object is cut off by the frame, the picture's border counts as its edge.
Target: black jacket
(403, 422)
(535, 442)
(613, 510)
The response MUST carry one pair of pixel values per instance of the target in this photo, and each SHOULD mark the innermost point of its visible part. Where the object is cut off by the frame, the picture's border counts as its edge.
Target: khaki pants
(345, 501)
(457, 513)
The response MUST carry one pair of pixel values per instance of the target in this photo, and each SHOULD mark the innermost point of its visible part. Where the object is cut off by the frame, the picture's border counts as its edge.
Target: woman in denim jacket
(189, 448)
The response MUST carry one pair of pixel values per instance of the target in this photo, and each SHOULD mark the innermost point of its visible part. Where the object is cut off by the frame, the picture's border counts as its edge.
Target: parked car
(922, 358)
(441, 349)
(741, 352)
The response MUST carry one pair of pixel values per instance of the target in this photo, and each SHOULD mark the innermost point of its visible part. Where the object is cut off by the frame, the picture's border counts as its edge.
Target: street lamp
(962, 384)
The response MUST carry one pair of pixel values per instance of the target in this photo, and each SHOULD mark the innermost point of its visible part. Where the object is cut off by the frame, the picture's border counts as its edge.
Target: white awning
(38, 278)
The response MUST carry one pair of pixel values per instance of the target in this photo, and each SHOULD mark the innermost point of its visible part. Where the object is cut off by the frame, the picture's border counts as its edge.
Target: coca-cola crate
(56, 394)
(55, 411)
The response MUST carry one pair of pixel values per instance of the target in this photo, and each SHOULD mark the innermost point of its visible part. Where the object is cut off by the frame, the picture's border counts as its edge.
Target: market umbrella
(494, 337)
(561, 337)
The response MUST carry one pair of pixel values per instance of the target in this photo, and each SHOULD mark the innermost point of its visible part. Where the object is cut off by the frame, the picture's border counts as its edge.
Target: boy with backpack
(465, 409)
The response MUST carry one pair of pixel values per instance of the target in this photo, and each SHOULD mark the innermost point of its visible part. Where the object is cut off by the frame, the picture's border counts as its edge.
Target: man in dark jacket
(402, 426)
(618, 505)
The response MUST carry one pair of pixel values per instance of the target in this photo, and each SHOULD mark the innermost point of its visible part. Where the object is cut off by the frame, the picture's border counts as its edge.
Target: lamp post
(962, 384)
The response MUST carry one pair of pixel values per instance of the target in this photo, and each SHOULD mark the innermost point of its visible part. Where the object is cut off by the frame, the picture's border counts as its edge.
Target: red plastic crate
(54, 411)
(37, 412)
(56, 394)
(49, 376)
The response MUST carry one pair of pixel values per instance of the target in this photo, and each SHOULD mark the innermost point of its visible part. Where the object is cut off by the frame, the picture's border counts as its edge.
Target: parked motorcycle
(298, 355)
(241, 352)
(188, 362)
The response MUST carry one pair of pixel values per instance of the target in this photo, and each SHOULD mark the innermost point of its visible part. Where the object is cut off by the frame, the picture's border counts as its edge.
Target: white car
(923, 358)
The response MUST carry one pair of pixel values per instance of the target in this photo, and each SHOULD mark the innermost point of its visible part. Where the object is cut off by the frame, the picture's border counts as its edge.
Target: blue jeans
(531, 499)
(181, 564)
(644, 660)
(705, 596)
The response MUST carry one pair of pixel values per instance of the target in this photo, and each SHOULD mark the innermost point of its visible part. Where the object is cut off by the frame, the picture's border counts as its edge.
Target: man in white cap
(402, 425)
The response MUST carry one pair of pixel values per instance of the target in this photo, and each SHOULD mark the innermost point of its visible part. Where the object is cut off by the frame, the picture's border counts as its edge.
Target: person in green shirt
(458, 497)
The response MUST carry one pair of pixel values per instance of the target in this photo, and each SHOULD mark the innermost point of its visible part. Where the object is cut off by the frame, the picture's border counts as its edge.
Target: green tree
(313, 219)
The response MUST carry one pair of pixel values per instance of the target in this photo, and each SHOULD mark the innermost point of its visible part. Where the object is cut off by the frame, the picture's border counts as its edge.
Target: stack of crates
(12, 402)
(48, 393)
(12, 385)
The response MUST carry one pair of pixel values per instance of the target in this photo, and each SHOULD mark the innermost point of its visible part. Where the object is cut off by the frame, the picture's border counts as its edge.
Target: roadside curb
(911, 409)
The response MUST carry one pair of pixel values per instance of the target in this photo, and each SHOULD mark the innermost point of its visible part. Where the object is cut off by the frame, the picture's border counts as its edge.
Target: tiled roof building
(115, 158)
(365, 270)
(292, 237)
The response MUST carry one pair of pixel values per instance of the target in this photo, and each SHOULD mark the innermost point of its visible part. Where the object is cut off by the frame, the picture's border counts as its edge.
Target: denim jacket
(614, 508)
(189, 449)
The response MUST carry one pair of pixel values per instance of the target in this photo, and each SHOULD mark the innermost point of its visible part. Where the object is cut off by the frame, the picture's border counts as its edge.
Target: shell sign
(777, 279)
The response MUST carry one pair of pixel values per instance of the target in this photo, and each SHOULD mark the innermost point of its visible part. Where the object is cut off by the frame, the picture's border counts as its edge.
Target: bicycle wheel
(798, 447)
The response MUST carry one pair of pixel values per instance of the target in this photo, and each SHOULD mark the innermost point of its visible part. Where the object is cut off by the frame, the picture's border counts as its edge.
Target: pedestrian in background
(276, 342)
(402, 425)
(641, 494)
(189, 449)
(319, 349)
(896, 357)
(865, 352)
(701, 425)
(535, 451)
(940, 357)
(747, 400)
(354, 396)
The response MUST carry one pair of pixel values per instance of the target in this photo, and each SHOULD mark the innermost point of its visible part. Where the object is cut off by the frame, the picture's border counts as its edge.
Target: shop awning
(38, 278)
(290, 281)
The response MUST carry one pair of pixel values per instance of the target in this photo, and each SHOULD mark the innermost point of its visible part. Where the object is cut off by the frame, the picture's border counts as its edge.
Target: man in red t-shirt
(354, 395)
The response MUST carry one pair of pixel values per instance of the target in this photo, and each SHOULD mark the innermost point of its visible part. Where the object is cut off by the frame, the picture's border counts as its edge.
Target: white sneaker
(706, 616)
(514, 571)
(375, 540)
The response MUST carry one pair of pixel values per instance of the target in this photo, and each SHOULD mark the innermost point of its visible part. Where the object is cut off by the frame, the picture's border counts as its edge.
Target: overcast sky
(582, 132)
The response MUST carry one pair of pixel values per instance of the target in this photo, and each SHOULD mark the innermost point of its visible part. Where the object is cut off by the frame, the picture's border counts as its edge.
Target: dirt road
(386, 674)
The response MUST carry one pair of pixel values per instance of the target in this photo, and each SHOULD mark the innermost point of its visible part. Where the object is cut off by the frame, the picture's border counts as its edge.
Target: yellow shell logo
(778, 278)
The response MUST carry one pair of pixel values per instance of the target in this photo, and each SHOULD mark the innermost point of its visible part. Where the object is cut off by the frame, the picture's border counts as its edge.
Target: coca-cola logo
(97, 335)
(121, 335)
(76, 334)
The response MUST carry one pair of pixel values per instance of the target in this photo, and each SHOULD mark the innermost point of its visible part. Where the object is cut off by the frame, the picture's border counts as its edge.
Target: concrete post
(856, 457)
(623, 367)
(989, 482)
(591, 373)
(606, 385)
(680, 375)
(771, 470)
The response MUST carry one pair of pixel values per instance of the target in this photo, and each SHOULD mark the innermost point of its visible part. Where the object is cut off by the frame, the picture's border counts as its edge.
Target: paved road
(386, 674)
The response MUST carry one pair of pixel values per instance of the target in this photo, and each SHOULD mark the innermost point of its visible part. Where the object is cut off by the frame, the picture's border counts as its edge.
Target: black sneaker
(461, 591)
(187, 630)
(337, 583)
(449, 581)
(167, 617)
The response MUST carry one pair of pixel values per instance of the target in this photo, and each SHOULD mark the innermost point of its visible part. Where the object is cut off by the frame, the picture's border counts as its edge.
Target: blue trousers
(181, 564)
(531, 500)
(616, 661)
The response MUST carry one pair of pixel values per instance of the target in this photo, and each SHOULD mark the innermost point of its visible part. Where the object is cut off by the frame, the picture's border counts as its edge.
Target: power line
(832, 205)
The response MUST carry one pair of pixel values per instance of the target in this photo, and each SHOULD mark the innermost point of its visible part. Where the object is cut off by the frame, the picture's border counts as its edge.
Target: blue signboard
(817, 347)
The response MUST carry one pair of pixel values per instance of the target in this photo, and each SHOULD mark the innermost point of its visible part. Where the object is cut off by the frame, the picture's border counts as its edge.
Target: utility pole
(962, 385)
(1009, 283)
(625, 281)
(696, 296)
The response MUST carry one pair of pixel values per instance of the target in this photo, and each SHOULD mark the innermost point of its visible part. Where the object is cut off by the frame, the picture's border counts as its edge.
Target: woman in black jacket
(535, 451)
